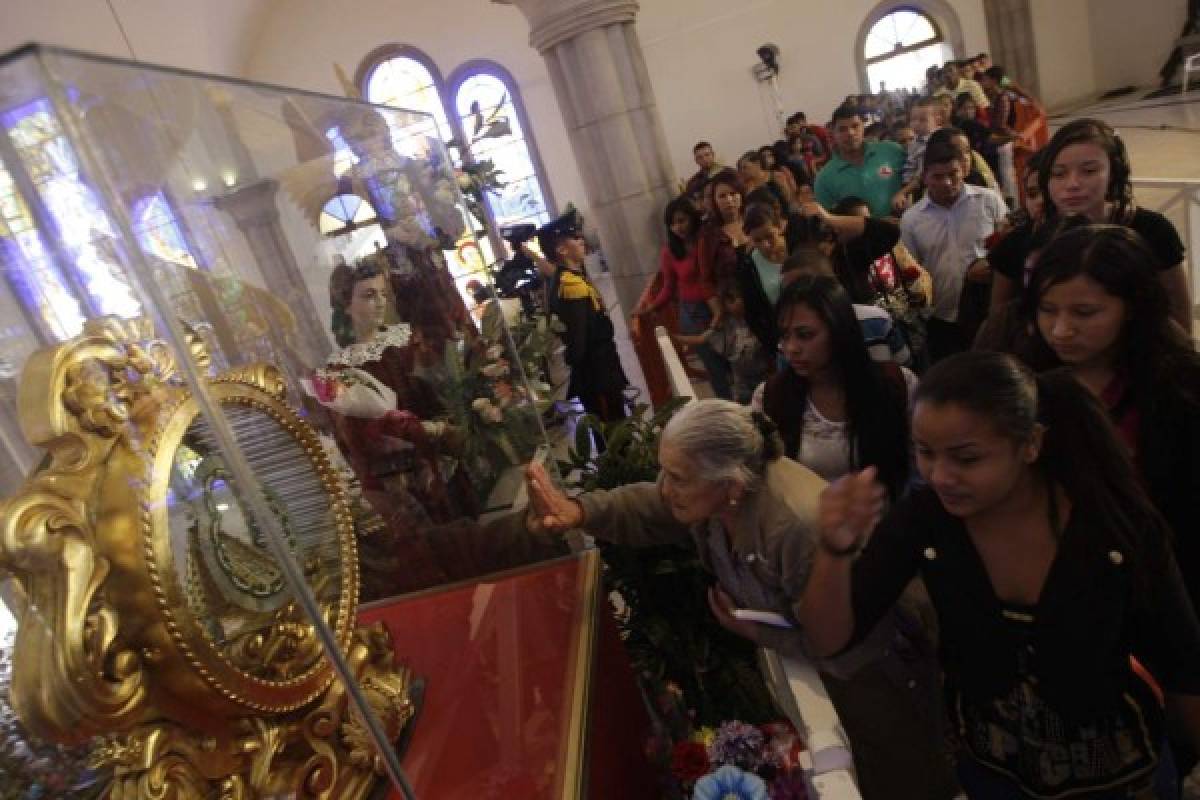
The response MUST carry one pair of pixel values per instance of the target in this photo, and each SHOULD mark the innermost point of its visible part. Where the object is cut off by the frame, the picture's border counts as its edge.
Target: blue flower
(730, 783)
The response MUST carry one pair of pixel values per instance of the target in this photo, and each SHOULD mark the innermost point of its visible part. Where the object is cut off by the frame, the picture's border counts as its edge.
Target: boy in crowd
(816, 147)
(870, 170)
(947, 232)
(706, 159)
(597, 378)
(924, 120)
(732, 338)
(903, 134)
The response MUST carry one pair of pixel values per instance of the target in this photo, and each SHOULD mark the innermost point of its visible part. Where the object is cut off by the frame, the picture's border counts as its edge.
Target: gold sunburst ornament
(156, 617)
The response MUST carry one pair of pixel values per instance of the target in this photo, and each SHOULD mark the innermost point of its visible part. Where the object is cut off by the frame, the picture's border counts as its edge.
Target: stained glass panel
(492, 126)
(84, 230)
(406, 83)
(343, 156)
(343, 211)
(32, 274)
(158, 231)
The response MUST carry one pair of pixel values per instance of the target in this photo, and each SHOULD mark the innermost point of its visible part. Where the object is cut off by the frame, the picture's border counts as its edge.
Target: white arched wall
(700, 52)
(941, 12)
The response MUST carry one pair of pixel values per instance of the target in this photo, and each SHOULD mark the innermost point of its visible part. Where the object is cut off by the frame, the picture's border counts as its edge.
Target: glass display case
(242, 388)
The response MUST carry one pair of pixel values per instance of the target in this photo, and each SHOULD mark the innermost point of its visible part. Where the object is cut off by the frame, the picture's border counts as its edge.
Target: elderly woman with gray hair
(751, 513)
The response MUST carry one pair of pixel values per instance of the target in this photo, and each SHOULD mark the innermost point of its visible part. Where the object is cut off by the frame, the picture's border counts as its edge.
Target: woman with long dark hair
(1049, 569)
(1085, 171)
(682, 280)
(1099, 311)
(722, 240)
(837, 409)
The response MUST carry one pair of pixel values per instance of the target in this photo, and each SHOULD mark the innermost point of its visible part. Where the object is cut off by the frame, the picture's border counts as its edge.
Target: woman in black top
(1086, 171)
(1098, 310)
(1048, 568)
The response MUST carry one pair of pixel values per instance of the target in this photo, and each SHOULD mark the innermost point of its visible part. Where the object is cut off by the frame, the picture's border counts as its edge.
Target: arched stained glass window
(490, 118)
(900, 47)
(84, 230)
(343, 156)
(158, 231)
(344, 213)
(31, 272)
(407, 79)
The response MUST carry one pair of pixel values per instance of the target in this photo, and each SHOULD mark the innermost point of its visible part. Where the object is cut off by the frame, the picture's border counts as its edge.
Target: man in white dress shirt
(947, 232)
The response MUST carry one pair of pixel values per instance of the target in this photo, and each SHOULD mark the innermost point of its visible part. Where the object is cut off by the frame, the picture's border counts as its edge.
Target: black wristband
(845, 552)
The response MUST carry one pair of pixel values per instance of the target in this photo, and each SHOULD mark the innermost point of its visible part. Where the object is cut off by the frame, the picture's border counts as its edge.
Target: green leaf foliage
(669, 632)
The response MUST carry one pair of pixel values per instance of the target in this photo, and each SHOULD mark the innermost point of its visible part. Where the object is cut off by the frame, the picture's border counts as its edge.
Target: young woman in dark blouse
(1085, 171)
(1048, 568)
(1098, 310)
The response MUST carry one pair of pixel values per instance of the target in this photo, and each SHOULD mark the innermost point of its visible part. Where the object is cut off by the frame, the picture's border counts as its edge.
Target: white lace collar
(359, 353)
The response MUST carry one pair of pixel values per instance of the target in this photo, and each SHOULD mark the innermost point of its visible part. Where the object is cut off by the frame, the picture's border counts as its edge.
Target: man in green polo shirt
(867, 170)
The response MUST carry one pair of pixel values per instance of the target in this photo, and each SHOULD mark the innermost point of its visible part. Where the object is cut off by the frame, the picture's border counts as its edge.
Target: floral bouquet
(351, 392)
(486, 399)
(904, 289)
(739, 760)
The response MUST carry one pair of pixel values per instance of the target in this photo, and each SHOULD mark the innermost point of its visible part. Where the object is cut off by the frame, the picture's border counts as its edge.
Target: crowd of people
(955, 440)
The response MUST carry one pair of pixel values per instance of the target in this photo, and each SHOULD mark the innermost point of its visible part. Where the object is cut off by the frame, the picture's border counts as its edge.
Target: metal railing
(1178, 199)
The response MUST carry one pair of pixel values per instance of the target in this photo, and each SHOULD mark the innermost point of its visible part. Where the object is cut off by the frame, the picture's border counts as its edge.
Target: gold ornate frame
(106, 644)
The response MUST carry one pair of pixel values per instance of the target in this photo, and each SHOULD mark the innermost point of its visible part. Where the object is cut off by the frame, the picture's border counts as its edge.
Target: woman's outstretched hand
(849, 510)
(550, 510)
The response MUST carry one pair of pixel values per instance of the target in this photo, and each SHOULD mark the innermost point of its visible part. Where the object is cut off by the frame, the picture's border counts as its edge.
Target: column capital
(554, 21)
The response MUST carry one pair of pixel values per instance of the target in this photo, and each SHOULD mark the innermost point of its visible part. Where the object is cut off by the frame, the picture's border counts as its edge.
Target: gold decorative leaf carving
(103, 648)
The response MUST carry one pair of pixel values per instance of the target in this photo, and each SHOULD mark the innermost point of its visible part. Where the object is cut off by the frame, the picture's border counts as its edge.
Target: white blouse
(824, 446)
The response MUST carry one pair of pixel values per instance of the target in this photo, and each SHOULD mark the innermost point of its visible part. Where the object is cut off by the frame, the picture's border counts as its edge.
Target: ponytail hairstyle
(877, 430)
(681, 205)
(1080, 450)
(726, 441)
(1097, 132)
(342, 281)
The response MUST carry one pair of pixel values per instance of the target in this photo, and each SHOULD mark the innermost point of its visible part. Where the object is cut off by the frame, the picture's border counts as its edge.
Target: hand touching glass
(550, 510)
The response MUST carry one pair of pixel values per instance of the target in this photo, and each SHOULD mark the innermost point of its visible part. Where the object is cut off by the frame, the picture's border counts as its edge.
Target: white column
(599, 76)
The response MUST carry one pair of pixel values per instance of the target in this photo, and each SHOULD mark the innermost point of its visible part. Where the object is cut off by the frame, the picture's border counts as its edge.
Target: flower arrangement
(350, 391)
(730, 783)
(695, 673)
(738, 759)
(486, 399)
(905, 291)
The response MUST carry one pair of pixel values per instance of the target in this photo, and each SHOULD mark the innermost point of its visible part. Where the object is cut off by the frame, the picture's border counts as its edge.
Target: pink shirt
(681, 278)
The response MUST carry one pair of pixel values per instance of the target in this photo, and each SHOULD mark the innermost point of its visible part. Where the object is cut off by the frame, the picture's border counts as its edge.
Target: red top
(681, 278)
(716, 255)
(1123, 412)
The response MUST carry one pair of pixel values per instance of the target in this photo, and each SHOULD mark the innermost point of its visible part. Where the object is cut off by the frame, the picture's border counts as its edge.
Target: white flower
(481, 404)
(496, 370)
